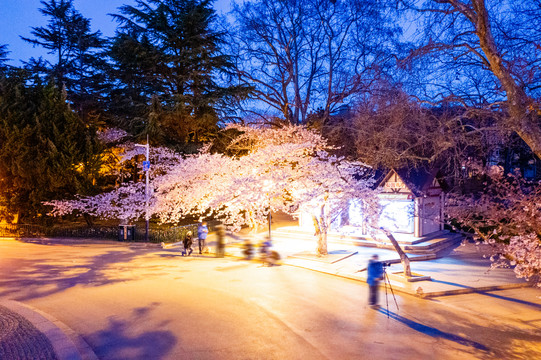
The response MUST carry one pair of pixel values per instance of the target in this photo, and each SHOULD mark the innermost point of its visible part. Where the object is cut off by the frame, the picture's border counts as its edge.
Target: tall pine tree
(3, 57)
(77, 63)
(46, 151)
(168, 49)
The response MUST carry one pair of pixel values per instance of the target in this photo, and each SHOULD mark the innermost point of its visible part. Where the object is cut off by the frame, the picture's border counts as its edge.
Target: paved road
(149, 303)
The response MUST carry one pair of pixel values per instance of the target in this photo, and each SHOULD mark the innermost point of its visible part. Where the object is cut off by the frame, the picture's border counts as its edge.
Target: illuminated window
(397, 215)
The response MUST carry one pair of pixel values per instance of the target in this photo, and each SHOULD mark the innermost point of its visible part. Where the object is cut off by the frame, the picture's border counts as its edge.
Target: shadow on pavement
(118, 340)
(506, 298)
(173, 256)
(31, 279)
(431, 331)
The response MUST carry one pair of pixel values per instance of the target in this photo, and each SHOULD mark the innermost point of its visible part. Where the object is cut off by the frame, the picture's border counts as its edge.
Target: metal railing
(172, 234)
(156, 235)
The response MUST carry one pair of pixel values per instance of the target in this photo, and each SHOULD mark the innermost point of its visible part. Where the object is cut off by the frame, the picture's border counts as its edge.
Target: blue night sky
(19, 16)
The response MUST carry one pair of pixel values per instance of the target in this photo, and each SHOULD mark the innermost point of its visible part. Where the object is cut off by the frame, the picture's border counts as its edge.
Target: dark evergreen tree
(3, 57)
(169, 49)
(79, 66)
(133, 72)
(46, 151)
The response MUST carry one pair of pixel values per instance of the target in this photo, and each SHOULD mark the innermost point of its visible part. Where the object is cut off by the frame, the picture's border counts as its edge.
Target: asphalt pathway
(136, 302)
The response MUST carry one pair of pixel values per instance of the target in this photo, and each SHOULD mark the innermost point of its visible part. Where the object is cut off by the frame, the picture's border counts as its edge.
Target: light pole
(267, 184)
(270, 218)
(146, 169)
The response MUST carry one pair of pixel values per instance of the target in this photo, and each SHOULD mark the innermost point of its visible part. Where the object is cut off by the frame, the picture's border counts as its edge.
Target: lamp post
(267, 184)
(146, 169)
(270, 218)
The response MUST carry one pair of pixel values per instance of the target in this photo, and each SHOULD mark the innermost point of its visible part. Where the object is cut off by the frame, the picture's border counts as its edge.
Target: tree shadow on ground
(170, 256)
(490, 293)
(119, 341)
(507, 298)
(32, 279)
(431, 331)
(500, 342)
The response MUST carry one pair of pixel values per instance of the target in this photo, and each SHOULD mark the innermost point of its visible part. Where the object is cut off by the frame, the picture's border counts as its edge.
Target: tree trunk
(321, 233)
(520, 120)
(89, 220)
(403, 257)
(322, 244)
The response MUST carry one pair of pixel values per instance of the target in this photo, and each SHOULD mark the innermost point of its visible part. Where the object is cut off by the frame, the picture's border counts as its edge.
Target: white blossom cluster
(521, 251)
(506, 217)
(111, 135)
(281, 170)
(125, 202)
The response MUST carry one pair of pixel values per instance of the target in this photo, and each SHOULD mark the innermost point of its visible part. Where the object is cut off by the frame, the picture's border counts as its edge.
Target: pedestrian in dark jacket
(247, 249)
(373, 277)
(264, 251)
(187, 242)
(202, 232)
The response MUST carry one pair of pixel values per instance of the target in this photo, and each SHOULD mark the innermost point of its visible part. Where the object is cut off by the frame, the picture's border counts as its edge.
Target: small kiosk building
(411, 203)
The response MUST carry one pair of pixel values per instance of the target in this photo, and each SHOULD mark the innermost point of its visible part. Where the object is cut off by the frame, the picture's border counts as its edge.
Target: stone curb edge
(481, 289)
(67, 344)
(427, 295)
(424, 295)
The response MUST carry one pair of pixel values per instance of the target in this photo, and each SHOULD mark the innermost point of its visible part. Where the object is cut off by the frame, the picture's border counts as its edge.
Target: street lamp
(270, 218)
(267, 185)
(146, 169)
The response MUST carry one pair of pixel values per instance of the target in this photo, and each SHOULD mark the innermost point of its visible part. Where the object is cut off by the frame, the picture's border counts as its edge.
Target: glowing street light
(267, 186)
(146, 169)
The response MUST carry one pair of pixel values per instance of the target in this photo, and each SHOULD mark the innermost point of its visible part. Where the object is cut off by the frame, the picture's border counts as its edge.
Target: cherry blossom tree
(284, 169)
(505, 216)
(127, 201)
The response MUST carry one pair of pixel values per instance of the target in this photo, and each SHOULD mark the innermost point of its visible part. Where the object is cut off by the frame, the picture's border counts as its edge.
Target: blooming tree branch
(505, 216)
(277, 170)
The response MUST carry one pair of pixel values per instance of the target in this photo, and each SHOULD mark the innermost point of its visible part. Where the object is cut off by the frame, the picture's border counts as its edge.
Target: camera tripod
(386, 282)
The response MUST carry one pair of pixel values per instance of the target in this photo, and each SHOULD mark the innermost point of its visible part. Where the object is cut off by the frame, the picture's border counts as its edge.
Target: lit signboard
(395, 185)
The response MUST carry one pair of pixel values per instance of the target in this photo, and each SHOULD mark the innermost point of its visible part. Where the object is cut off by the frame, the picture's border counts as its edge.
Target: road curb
(428, 295)
(398, 286)
(67, 344)
(481, 289)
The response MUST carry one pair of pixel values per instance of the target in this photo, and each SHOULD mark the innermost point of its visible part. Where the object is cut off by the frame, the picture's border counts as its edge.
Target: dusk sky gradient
(19, 16)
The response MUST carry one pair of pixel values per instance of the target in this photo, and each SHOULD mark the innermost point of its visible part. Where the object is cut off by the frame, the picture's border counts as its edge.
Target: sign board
(395, 185)
(146, 165)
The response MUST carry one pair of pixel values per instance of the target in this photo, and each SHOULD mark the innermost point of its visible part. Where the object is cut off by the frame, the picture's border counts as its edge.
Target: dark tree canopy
(168, 49)
(46, 152)
(78, 65)
(3, 56)
(480, 53)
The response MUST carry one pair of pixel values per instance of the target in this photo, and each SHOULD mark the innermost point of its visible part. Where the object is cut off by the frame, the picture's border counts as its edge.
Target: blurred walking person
(267, 257)
(187, 242)
(220, 241)
(247, 249)
(202, 232)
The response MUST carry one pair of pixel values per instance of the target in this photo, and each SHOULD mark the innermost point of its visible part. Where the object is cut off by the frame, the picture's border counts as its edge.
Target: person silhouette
(373, 277)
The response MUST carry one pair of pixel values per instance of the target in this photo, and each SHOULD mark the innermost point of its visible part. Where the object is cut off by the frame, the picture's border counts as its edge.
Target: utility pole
(267, 185)
(146, 169)
(270, 218)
